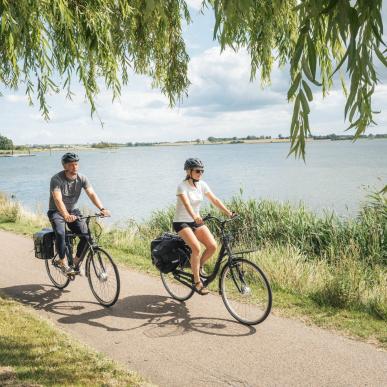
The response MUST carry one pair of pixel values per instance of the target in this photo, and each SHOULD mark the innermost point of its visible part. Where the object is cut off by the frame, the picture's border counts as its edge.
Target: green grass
(32, 350)
(325, 270)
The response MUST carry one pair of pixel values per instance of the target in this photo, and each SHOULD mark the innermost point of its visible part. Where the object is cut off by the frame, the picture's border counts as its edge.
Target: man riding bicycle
(65, 189)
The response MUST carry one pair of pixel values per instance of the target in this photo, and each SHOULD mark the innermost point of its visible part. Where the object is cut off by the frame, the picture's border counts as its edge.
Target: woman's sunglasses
(199, 170)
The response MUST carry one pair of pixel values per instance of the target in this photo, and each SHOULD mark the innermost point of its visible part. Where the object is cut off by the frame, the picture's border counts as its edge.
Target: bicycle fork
(242, 287)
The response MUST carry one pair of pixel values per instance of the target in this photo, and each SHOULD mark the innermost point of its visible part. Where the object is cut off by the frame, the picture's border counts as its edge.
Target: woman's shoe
(202, 290)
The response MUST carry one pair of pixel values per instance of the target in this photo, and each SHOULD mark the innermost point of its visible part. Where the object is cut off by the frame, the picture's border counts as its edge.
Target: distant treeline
(239, 139)
(336, 137)
(6, 144)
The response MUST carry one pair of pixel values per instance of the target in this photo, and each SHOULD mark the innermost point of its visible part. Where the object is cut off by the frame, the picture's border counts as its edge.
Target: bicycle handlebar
(220, 221)
(92, 216)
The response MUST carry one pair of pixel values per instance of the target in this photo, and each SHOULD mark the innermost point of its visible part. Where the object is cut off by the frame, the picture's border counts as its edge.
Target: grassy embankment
(33, 351)
(324, 269)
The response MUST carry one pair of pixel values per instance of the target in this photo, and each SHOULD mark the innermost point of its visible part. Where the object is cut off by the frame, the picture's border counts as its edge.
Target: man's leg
(79, 227)
(59, 226)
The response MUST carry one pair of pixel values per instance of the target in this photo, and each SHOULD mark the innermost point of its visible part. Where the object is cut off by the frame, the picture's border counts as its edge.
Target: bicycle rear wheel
(246, 291)
(175, 288)
(56, 275)
(103, 276)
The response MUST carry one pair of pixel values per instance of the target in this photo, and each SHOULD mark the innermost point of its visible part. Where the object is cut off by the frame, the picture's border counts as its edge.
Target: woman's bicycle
(100, 269)
(244, 288)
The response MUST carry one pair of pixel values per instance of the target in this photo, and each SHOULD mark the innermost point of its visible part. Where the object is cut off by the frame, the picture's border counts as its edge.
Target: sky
(221, 102)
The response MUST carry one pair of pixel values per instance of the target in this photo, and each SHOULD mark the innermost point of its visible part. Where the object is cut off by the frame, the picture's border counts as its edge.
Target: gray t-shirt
(71, 189)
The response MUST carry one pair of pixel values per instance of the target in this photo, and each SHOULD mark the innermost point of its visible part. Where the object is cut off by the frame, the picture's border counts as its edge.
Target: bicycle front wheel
(246, 291)
(56, 275)
(175, 288)
(103, 276)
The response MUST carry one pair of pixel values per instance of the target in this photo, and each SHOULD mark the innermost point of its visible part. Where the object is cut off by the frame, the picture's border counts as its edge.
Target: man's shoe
(67, 270)
(79, 271)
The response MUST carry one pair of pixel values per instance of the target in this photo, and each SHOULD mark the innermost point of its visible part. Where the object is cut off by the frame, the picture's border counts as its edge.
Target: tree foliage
(5, 143)
(316, 38)
(48, 39)
(41, 40)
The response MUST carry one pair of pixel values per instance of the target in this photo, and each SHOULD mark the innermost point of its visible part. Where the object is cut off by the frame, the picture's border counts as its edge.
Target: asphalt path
(196, 343)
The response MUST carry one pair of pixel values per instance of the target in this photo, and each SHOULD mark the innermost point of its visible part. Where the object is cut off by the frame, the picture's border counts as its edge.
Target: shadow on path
(157, 316)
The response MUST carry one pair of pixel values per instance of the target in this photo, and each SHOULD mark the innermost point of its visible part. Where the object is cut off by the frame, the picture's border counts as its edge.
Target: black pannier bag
(169, 251)
(44, 243)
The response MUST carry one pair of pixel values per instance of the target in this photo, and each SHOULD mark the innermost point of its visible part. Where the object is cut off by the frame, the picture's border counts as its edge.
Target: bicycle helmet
(193, 163)
(69, 158)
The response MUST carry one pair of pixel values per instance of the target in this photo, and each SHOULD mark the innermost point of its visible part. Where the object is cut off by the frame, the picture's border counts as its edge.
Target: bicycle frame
(91, 243)
(241, 282)
(225, 250)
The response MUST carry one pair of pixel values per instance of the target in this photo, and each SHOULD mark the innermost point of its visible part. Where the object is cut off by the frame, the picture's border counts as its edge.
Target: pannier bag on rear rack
(44, 243)
(169, 251)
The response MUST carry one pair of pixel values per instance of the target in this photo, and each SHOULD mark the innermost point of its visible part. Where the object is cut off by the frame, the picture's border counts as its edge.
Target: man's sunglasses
(199, 170)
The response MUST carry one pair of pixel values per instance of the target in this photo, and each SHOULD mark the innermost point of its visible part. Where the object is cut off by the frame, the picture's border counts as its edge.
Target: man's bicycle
(244, 288)
(100, 269)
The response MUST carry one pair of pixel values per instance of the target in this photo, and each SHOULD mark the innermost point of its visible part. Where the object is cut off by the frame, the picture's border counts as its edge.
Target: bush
(9, 210)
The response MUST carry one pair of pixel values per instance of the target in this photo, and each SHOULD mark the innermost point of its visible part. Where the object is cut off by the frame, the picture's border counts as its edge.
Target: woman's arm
(218, 203)
(196, 217)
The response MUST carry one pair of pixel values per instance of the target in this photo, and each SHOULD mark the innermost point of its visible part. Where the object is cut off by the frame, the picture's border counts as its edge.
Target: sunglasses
(199, 170)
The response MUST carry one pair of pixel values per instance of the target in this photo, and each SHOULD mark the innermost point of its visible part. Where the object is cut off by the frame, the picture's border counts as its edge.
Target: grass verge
(322, 271)
(33, 351)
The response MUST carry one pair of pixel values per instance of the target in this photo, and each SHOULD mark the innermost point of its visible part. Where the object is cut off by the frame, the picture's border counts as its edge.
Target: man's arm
(57, 196)
(96, 201)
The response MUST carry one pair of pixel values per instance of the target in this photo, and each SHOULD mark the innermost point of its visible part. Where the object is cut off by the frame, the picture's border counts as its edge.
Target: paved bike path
(196, 343)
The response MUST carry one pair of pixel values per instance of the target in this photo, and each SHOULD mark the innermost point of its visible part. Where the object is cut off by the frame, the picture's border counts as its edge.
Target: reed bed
(335, 261)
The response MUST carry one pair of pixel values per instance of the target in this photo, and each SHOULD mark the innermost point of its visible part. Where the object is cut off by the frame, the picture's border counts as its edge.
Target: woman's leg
(190, 239)
(203, 234)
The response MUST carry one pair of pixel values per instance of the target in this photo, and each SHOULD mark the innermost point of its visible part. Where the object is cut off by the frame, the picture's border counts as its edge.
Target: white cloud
(15, 98)
(195, 4)
(222, 102)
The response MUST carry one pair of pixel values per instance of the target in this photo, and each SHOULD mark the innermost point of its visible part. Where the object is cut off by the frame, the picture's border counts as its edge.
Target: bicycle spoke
(56, 275)
(175, 288)
(103, 278)
(246, 292)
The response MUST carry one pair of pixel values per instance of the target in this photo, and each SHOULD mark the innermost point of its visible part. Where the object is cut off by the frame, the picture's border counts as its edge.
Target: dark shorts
(178, 226)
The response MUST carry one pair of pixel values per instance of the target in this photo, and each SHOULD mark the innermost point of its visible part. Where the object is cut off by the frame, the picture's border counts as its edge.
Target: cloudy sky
(222, 102)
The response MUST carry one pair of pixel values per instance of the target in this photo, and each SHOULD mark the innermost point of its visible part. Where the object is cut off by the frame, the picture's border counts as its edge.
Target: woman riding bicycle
(188, 222)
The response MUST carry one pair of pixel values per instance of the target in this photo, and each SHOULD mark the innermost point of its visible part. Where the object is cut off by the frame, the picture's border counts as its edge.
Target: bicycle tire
(98, 274)
(57, 277)
(236, 286)
(175, 289)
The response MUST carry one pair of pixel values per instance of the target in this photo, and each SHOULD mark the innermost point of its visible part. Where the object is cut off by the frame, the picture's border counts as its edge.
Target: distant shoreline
(232, 142)
(63, 148)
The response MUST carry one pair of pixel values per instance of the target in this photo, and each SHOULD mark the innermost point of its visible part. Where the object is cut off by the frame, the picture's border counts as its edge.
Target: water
(132, 182)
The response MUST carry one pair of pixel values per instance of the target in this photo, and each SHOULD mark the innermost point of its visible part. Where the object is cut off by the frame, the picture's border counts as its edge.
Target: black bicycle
(244, 288)
(100, 269)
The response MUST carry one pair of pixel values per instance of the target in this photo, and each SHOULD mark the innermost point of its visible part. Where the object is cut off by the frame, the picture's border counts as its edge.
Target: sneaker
(66, 269)
(61, 266)
(79, 271)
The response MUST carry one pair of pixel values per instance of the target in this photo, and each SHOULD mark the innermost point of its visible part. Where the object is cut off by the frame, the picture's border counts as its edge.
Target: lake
(132, 182)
